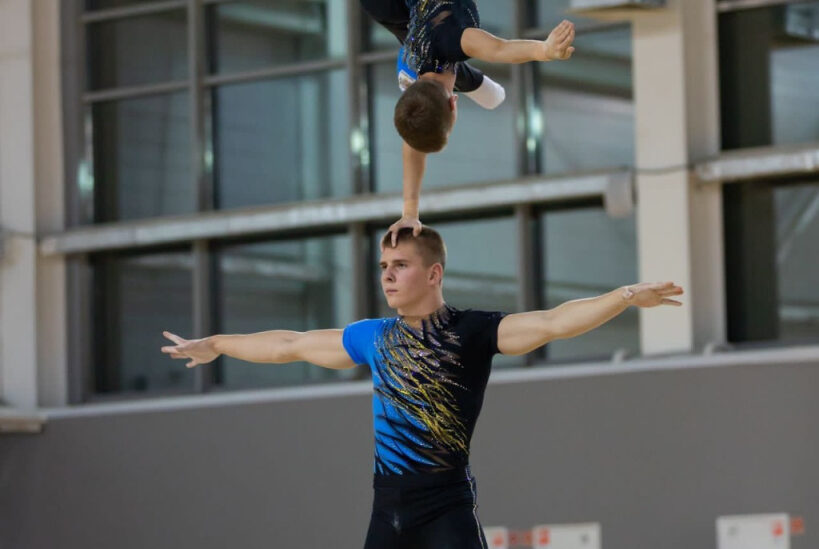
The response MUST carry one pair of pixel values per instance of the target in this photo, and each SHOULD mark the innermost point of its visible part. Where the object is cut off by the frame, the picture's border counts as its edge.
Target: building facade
(212, 166)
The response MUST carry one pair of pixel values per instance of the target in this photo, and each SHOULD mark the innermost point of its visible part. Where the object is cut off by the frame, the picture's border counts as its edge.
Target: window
(586, 253)
(769, 62)
(136, 51)
(258, 34)
(281, 140)
(771, 264)
(142, 158)
(797, 262)
(769, 59)
(586, 114)
(283, 285)
(135, 298)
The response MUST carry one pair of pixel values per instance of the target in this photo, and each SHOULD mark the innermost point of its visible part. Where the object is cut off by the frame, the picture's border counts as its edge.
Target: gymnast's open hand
(652, 294)
(558, 46)
(196, 351)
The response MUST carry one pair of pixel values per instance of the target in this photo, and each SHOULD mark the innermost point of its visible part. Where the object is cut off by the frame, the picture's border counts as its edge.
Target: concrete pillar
(32, 290)
(680, 237)
(18, 344)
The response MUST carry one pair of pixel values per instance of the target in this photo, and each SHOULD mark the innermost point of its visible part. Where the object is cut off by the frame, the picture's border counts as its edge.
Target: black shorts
(433, 511)
(394, 16)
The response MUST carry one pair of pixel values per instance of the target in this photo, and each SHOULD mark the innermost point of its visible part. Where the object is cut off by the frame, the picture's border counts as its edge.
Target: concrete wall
(655, 456)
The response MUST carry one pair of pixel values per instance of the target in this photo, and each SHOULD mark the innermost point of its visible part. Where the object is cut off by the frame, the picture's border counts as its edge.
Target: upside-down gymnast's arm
(415, 163)
(479, 44)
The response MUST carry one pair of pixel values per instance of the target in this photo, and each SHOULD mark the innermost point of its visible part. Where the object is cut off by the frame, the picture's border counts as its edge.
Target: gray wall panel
(654, 456)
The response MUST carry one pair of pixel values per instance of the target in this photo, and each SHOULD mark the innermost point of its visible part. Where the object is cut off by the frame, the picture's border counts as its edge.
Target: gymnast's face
(405, 277)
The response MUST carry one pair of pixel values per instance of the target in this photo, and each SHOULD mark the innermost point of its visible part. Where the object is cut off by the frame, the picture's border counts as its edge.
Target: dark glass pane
(587, 253)
(135, 51)
(255, 34)
(135, 299)
(295, 285)
(797, 261)
(481, 146)
(473, 278)
(142, 158)
(794, 99)
(769, 64)
(104, 4)
(282, 140)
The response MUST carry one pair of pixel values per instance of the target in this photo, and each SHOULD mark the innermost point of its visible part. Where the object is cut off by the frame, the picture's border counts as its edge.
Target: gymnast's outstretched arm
(482, 45)
(321, 347)
(524, 332)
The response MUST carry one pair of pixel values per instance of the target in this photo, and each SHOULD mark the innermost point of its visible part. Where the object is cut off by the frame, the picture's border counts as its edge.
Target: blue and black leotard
(428, 386)
(430, 32)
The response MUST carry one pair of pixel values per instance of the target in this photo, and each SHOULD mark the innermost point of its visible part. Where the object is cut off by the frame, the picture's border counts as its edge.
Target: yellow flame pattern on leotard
(417, 381)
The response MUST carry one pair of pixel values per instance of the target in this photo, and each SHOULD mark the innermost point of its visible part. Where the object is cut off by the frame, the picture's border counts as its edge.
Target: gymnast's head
(413, 270)
(425, 115)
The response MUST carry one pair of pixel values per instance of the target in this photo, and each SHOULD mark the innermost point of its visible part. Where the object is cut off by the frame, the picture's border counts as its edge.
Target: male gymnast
(430, 366)
(437, 38)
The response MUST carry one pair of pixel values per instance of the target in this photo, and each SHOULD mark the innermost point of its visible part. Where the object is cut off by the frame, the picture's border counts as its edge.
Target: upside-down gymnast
(437, 37)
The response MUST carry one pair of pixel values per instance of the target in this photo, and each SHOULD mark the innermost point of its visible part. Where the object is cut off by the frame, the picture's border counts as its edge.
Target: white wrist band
(489, 94)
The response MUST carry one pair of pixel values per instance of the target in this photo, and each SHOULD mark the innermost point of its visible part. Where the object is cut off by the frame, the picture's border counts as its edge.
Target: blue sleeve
(359, 339)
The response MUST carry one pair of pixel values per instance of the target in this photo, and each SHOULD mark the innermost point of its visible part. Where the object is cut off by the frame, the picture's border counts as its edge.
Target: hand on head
(406, 222)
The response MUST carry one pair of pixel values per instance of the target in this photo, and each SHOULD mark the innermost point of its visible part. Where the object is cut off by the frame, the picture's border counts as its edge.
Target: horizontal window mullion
(131, 92)
(137, 10)
(295, 69)
(325, 215)
(761, 163)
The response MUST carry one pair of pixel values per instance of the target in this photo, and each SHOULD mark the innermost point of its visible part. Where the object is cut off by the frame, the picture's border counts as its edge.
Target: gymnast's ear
(436, 274)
